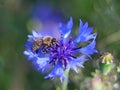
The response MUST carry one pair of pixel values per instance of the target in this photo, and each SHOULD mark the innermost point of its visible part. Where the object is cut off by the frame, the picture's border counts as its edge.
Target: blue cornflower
(65, 53)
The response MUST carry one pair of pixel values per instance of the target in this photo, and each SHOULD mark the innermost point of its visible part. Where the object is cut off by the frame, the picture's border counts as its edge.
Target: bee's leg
(36, 51)
(44, 49)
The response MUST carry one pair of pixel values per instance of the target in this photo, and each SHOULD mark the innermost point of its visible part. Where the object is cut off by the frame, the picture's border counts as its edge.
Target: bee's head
(54, 41)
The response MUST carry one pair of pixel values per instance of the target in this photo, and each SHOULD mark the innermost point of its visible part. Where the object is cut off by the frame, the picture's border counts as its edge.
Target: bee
(49, 41)
(37, 44)
(45, 42)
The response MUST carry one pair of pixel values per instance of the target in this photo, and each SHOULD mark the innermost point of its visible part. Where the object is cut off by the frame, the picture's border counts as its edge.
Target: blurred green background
(16, 73)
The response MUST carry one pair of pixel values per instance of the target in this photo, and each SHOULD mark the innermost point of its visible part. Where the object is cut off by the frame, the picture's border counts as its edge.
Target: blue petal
(57, 71)
(89, 49)
(84, 27)
(89, 30)
(81, 59)
(65, 30)
(85, 33)
(73, 64)
(30, 54)
(36, 34)
(76, 63)
(91, 36)
(28, 45)
(43, 63)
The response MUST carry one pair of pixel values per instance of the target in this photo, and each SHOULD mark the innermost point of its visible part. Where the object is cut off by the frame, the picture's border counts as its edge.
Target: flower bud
(106, 63)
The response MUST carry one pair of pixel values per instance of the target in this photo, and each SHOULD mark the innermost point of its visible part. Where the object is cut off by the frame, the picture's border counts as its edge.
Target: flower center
(62, 53)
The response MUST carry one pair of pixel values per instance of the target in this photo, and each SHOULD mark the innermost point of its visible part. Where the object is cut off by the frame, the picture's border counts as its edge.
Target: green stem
(65, 82)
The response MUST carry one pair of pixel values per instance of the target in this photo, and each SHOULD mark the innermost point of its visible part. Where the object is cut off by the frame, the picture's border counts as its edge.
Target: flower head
(107, 58)
(106, 63)
(60, 54)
